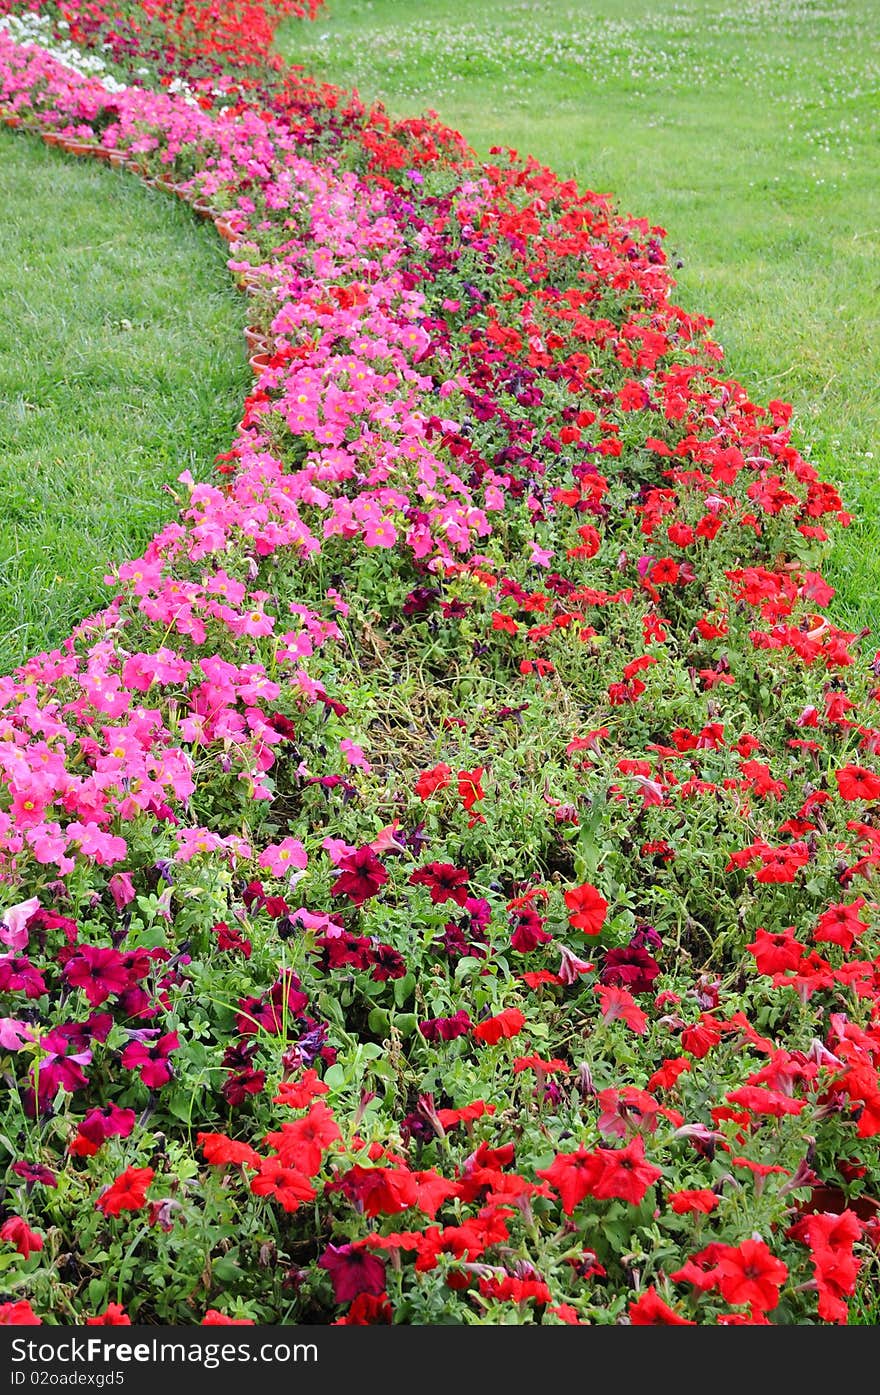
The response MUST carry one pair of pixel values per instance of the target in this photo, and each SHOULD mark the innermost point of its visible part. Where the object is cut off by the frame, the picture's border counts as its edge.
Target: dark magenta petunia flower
(446, 1028)
(151, 1061)
(361, 876)
(631, 968)
(107, 1122)
(352, 1272)
(387, 963)
(35, 1172)
(444, 881)
(101, 973)
(18, 975)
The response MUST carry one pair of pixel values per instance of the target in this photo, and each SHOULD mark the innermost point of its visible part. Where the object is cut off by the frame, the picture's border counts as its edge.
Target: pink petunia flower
(282, 859)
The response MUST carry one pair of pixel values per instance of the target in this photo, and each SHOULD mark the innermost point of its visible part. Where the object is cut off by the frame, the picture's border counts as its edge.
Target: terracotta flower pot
(12, 120)
(257, 341)
(259, 363)
(53, 138)
(117, 159)
(833, 1199)
(225, 229)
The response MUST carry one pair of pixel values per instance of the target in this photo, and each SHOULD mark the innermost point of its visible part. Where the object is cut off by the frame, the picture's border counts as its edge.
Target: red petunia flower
(566, 1313)
(508, 1288)
(537, 1063)
(777, 953)
(831, 1237)
(694, 1200)
(367, 1310)
(127, 1193)
(782, 864)
(587, 908)
(667, 1074)
(302, 1143)
(17, 1232)
(378, 1191)
(469, 787)
(760, 1101)
(284, 1184)
(650, 1310)
(505, 1024)
(624, 1174)
(573, 1176)
(617, 1004)
(841, 924)
(19, 1314)
(220, 1150)
(760, 1169)
(300, 1093)
(114, 1315)
(750, 1274)
(855, 782)
(665, 572)
(430, 781)
(449, 1118)
(539, 977)
(702, 1037)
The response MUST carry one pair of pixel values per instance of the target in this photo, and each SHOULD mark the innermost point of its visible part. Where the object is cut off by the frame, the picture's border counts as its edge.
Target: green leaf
(334, 1078)
(97, 1291)
(466, 967)
(383, 1069)
(181, 1102)
(379, 1020)
(404, 989)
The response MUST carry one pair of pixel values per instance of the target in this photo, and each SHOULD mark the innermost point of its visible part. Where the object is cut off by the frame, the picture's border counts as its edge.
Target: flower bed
(439, 886)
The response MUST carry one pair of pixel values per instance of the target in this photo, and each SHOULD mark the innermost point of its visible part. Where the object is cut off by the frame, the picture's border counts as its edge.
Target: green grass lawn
(122, 363)
(748, 130)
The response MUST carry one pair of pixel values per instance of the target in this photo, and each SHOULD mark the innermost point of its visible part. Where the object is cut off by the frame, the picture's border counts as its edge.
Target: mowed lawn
(122, 363)
(748, 130)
